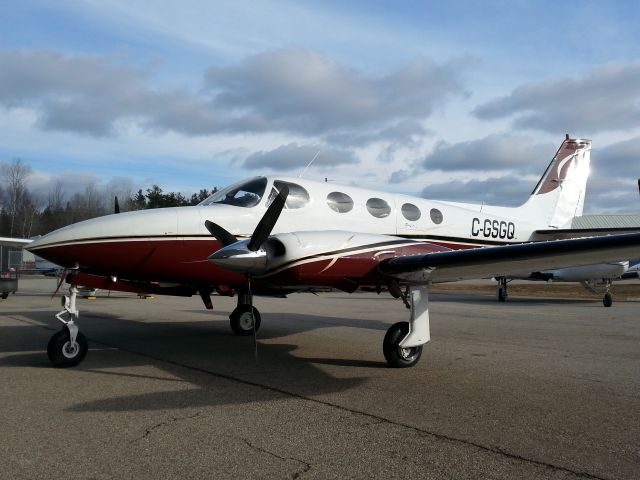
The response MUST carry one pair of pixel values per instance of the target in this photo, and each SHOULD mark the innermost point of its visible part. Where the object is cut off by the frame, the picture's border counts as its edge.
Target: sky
(451, 100)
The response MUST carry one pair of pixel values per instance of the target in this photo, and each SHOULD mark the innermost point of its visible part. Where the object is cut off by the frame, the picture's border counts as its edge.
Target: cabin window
(339, 202)
(247, 193)
(410, 212)
(436, 215)
(298, 196)
(378, 207)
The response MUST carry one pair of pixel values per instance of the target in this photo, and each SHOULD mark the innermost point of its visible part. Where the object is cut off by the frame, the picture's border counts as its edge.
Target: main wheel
(62, 353)
(241, 321)
(396, 356)
(607, 300)
(5, 295)
(502, 294)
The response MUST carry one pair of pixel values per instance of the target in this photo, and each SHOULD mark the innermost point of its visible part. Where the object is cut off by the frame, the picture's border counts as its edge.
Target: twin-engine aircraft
(310, 235)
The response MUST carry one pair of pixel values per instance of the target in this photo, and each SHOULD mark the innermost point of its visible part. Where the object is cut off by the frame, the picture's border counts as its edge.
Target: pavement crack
(298, 474)
(165, 423)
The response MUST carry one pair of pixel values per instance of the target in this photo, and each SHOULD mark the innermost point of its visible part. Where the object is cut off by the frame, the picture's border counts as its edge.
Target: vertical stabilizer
(559, 195)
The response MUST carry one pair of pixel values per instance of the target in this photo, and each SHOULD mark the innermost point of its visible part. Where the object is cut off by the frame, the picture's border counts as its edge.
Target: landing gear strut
(501, 291)
(69, 346)
(244, 316)
(402, 345)
(607, 300)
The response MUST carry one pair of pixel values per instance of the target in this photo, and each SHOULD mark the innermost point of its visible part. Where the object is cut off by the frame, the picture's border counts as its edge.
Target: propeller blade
(268, 221)
(220, 234)
(116, 206)
(63, 275)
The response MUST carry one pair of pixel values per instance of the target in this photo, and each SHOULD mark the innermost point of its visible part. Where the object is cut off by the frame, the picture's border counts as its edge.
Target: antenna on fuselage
(309, 164)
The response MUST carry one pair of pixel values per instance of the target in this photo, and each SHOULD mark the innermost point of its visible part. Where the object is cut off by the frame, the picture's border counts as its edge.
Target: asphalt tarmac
(533, 388)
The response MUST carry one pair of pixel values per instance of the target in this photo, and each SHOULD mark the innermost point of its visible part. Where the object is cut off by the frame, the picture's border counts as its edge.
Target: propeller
(268, 220)
(223, 236)
(248, 256)
(63, 275)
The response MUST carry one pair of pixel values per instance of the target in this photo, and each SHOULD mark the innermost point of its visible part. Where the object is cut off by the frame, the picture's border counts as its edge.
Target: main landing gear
(402, 345)
(245, 316)
(69, 346)
(592, 286)
(501, 291)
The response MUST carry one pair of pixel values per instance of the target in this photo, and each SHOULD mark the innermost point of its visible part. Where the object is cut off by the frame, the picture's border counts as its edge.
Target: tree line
(25, 214)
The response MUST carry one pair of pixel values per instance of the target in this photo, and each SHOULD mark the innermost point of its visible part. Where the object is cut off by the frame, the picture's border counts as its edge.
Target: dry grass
(620, 291)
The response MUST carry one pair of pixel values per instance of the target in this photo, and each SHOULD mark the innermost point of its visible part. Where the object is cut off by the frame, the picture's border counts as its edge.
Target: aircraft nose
(101, 242)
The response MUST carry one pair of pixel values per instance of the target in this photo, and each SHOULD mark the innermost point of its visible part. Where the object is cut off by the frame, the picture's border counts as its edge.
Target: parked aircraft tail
(559, 195)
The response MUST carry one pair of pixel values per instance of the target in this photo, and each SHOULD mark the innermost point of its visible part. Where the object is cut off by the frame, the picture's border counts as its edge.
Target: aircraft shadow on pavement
(214, 366)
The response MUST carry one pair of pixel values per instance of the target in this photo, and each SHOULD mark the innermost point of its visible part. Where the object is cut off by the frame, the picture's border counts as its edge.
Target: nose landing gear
(68, 347)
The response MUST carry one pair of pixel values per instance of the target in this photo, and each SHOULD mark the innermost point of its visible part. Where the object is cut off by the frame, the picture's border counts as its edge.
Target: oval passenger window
(410, 212)
(378, 207)
(436, 215)
(298, 195)
(339, 202)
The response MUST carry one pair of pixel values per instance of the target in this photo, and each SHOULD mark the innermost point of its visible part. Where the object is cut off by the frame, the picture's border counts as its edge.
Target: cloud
(296, 157)
(620, 159)
(606, 98)
(402, 133)
(286, 91)
(509, 191)
(494, 152)
(305, 91)
(611, 195)
(80, 93)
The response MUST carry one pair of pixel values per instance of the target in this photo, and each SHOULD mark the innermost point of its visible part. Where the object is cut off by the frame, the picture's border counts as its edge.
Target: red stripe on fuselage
(185, 261)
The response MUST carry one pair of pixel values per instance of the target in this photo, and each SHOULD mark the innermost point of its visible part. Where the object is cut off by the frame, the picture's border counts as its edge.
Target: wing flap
(505, 260)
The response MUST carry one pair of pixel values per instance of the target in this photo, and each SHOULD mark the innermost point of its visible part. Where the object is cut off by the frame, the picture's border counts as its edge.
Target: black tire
(502, 294)
(60, 353)
(395, 356)
(240, 320)
(5, 295)
(607, 300)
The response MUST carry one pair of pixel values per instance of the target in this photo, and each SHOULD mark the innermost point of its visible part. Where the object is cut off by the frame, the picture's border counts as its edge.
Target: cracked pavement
(545, 389)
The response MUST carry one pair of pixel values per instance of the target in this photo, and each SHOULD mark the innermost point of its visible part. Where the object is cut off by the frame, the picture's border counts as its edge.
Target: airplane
(273, 236)
(591, 277)
(594, 278)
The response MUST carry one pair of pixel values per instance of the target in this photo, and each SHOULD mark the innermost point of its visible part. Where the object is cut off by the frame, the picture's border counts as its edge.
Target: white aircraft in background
(595, 278)
(592, 277)
(318, 235)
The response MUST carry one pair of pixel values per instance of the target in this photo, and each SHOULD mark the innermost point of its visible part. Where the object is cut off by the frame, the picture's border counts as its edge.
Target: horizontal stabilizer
(566, 233)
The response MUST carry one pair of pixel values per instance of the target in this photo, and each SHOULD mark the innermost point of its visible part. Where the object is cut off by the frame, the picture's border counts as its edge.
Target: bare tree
(56, 197)
(17, 201)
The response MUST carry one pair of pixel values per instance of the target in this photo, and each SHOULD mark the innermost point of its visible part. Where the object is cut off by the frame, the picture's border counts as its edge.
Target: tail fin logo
(564, 163)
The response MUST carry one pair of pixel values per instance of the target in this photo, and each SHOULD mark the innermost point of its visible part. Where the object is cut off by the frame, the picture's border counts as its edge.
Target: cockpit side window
(298, 195)
(247, 193)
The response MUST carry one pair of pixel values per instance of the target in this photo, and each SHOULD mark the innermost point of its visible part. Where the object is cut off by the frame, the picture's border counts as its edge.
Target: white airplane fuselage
(172, 244)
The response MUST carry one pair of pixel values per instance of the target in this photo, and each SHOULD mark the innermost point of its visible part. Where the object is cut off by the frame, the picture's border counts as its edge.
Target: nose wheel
(63, 352)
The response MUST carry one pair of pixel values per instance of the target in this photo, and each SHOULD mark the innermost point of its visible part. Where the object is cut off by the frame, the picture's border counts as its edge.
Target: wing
(504, 260)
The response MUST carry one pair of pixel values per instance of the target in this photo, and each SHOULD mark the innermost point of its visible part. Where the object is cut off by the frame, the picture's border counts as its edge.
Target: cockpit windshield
(247, 193)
